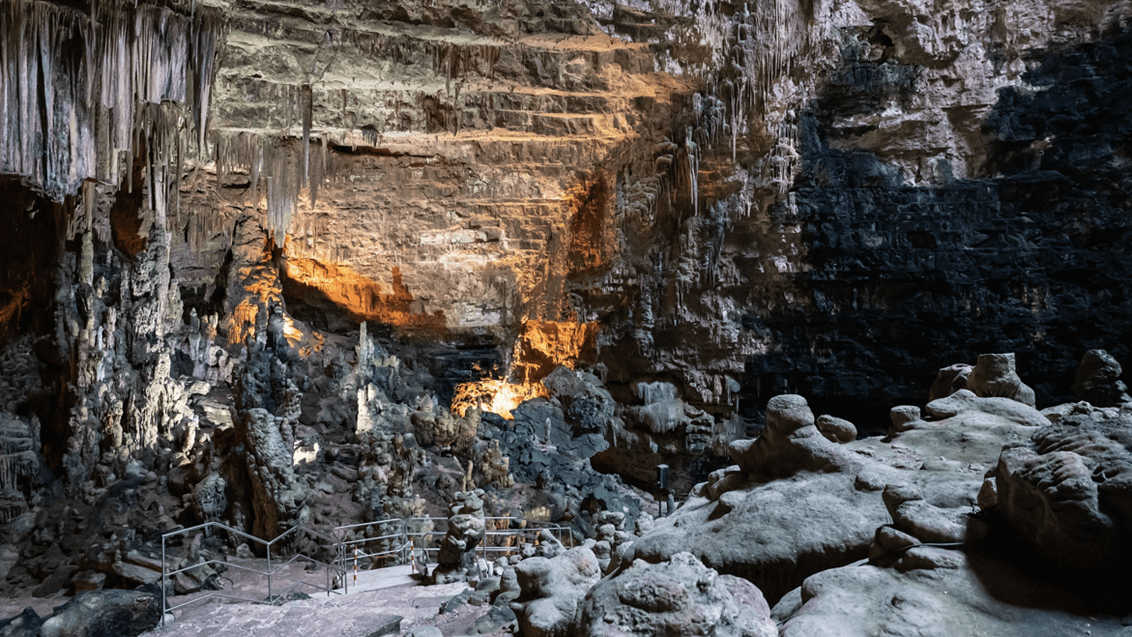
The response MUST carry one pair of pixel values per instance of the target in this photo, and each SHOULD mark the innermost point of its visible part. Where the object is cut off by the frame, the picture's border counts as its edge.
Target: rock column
(466, 529)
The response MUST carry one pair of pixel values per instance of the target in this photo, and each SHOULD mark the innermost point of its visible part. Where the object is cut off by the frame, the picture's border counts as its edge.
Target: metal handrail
(530, 530)
(339, 545)
(337, 566)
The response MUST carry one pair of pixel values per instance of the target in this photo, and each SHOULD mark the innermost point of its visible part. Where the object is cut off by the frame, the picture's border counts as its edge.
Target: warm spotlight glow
(363, 299)
(292, 333)
(542, 346)
(494, 395)
(241, 322)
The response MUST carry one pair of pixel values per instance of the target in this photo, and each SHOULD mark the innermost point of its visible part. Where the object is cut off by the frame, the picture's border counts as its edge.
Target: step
(377, 579)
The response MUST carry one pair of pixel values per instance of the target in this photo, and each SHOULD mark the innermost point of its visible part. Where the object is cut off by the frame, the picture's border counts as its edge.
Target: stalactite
(72, 85)
(19, 440)
(693, 170)
(306, 105)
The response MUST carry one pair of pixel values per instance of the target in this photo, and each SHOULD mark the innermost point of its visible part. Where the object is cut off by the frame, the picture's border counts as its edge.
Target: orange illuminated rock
(542, 346)
(495, 395)
(362, 298)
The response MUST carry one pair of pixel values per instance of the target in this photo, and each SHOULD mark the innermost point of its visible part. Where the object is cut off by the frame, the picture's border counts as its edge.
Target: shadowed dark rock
(1098, 380)
(106, 613)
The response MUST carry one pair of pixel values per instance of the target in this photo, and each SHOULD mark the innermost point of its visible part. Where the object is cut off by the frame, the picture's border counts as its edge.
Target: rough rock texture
(1098, 380)
(797, 503)
(949, 380)
(475, 172)
(790, 443)
(553, 590)
(972, 429)
(960, 593)
(1068, 492)
(550, 449)
(995, 375)
(456, 560)
(269, 406)
(106, 614)
(680, 597)
(26, 624)
(21, 465)
(836, 429)
(898, 265)
(695, 206)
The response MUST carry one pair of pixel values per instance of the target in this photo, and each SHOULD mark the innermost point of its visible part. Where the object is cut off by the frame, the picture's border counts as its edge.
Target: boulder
(552, 591)
(936, 592)
(676, 598)
(1068, 491)
(209, 499)
(136, 574)
(500, 615)
(88, 581)
(836, 429)
(949, 380)
(26, 624)
(1098, 380)
(902, 418)
(106, 613)
(994, 375)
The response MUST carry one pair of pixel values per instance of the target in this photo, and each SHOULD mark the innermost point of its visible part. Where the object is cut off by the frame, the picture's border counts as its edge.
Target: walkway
(390, 610)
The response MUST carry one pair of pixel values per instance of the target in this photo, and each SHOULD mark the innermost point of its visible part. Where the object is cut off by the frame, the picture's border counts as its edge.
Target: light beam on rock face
(541, 347)
(495, 395)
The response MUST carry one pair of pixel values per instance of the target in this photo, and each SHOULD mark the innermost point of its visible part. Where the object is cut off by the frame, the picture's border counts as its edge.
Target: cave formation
(298, 266)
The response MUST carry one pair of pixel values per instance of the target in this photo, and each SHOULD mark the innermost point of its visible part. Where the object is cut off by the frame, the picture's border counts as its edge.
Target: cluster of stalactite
(82, 93)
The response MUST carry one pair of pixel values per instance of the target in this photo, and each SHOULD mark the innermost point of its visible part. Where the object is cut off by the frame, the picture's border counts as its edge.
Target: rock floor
(356, 615)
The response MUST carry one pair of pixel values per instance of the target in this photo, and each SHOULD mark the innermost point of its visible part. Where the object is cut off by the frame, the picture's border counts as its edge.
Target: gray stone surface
(1068, 492)
(995, 375)
(552, 591)
(679, 597)
(1098, 380)
(825, 505)
(948, 593)
(836, 429)
(106, 613)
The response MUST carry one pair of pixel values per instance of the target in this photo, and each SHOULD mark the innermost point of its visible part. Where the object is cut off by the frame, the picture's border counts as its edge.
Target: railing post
(269, 572)
(163, 603)
(342, 568)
